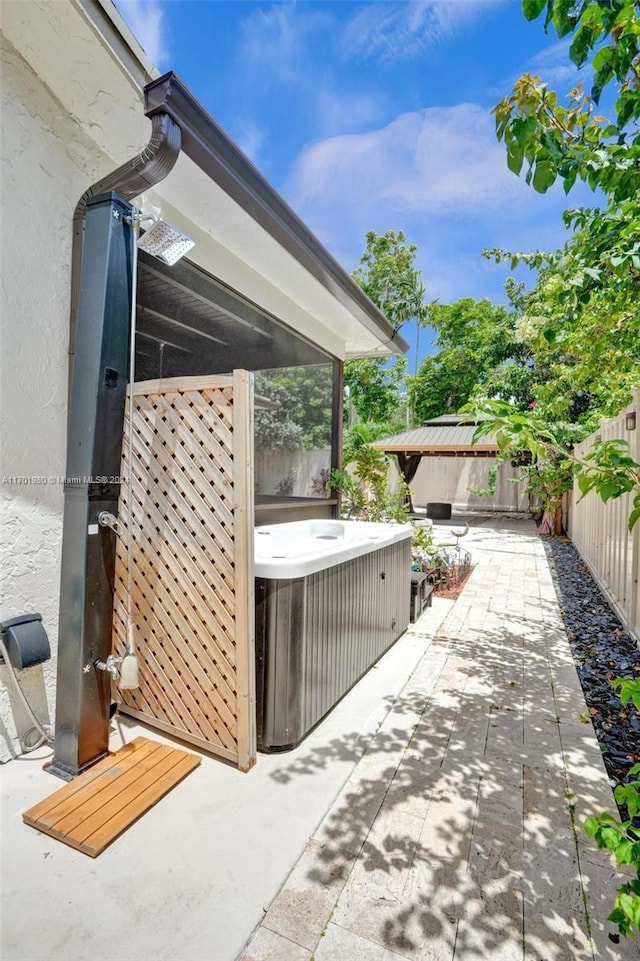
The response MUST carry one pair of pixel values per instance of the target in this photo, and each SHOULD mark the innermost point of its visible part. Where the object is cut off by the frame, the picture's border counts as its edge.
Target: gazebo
(441, 462)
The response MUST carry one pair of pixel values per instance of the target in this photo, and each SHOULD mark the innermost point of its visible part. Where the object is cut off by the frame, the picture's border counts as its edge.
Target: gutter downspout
(140, 173)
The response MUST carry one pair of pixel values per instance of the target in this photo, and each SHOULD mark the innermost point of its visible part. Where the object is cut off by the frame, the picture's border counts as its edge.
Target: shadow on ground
(460, 831)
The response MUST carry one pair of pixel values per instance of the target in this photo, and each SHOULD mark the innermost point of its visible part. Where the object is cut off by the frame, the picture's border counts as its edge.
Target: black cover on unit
(26, 641)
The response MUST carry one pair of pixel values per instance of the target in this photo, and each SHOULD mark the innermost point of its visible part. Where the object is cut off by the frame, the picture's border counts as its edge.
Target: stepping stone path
(458, 836)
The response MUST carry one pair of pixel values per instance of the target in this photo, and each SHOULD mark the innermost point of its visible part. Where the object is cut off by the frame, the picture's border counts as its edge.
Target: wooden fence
(600, 531)
(191, 561)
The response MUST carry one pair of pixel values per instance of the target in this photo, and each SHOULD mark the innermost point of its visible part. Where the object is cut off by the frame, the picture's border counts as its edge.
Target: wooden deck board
(91, 811)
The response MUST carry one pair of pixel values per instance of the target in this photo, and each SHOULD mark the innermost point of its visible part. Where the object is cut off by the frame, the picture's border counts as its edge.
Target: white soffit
(233, 247)
(102, 95)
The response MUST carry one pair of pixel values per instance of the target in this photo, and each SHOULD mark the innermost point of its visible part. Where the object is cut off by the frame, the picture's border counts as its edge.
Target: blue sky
(376, 116)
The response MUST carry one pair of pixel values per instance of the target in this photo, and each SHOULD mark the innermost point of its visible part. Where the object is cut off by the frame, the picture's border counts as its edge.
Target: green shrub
(622, 838)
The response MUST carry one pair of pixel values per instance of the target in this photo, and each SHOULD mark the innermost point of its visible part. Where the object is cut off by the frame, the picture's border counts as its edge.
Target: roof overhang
(209, 147)
(479, 450)
(246, 235)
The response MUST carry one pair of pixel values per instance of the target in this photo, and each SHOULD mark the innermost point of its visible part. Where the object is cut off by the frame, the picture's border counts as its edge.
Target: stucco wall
(47, 163)
(449, 479)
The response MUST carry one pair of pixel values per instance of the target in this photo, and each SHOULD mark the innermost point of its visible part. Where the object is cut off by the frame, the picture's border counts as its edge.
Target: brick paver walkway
(459, 834)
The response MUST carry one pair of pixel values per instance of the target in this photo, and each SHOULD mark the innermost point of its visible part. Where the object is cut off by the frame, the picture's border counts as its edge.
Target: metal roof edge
(208, 146)
(433, 448)
(436, 439)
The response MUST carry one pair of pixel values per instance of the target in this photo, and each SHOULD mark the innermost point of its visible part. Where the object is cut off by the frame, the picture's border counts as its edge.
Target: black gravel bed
(602, 650)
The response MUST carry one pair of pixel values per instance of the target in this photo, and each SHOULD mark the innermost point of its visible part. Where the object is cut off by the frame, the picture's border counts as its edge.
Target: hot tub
(331, 597)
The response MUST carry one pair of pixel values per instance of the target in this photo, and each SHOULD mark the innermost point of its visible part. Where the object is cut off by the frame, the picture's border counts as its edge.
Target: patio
(435, 814)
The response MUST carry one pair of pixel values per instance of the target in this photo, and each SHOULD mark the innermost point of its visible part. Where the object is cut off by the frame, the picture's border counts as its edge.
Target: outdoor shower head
(165, 242)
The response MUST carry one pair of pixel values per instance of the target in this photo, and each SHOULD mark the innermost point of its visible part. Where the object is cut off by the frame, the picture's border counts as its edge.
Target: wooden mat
(92, 810)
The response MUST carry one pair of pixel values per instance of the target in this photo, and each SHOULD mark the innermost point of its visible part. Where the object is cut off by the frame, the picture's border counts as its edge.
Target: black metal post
(336, 427)
(92, 485)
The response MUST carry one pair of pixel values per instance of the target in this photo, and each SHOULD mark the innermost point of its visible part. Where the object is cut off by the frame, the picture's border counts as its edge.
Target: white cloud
(280, 54)
(434, 160)
(400, 31)
(439, 175)
(337, 111)
(277, 40)
(146, 20)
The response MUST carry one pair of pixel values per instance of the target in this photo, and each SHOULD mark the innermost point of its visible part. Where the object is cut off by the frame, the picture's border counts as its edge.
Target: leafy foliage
(548, 472)
(573, 141)
(580, 319)
(622, 838)
(364, 493)
(359, 436)
(479, 353)
(388, 275)
(608, 468)
(302, 409)
(374, 387)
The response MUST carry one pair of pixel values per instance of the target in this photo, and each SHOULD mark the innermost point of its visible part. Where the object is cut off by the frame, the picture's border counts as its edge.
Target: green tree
(587, 293)
(375, 386)
(300, 411)
(581, 325)
(580, 320)
(388, 275)
(479, 352)
(585, 325)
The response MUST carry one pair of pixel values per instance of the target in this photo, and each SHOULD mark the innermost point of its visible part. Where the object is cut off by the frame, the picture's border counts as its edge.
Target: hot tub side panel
(279, 625)
(317, 635)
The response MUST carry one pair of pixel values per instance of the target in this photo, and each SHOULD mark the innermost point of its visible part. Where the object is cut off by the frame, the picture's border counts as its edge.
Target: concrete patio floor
(435, 814)
(192, 878)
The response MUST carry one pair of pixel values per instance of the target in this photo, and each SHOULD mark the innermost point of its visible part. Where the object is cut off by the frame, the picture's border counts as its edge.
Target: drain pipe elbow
(145, 170)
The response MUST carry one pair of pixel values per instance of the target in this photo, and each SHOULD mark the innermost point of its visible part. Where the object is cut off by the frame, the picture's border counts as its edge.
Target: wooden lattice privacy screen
(191, 562)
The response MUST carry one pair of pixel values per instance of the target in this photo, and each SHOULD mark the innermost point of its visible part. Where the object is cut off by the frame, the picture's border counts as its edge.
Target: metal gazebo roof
(447, 435)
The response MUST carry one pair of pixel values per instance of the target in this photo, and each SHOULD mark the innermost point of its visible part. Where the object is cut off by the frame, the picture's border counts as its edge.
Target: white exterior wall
(47, 163)
(449, 479)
